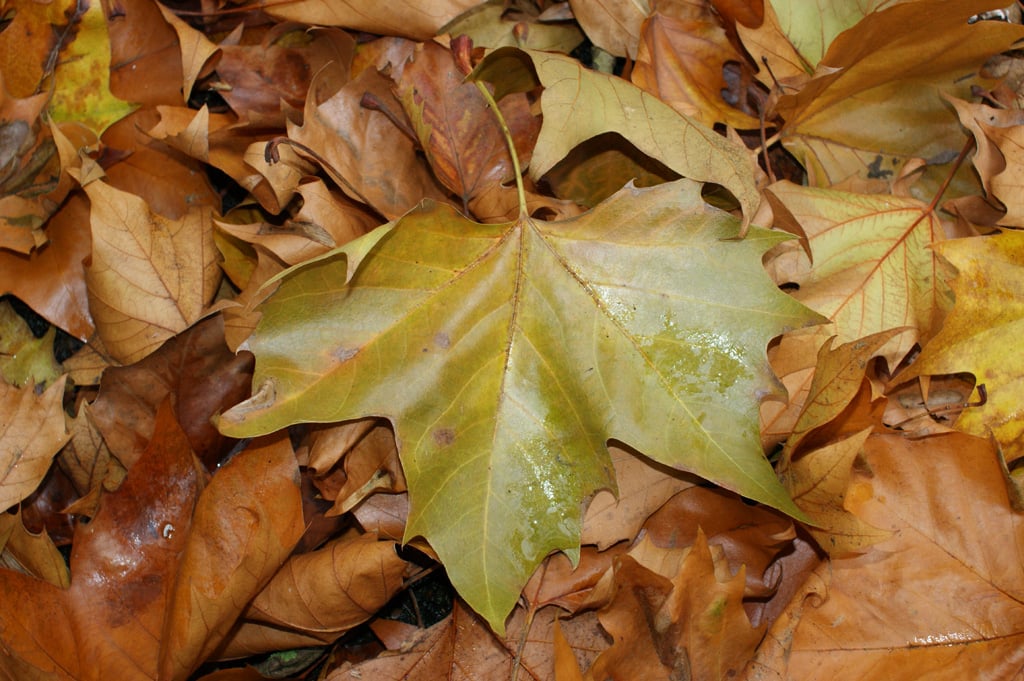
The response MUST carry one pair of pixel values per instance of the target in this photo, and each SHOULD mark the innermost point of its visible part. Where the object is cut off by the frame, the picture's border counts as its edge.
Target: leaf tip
(233, 421)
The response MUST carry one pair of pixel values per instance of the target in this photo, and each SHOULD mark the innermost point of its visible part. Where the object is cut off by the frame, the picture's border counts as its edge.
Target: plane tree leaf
(579, 104)
(812, 26)
(981, 335)
(507, 355)
(936, 600)
(831, 122)
(871, 267)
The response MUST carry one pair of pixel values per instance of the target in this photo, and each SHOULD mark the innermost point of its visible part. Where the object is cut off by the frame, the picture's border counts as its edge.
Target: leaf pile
(677, 340)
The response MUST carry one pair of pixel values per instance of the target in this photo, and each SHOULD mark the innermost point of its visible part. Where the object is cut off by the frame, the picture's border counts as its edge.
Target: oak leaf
(506, 356)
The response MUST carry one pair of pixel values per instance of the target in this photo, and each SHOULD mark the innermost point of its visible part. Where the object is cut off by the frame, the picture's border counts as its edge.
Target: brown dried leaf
(325, 221)
(87, 460)
(461, 137)
(692, 623)
(942, 598)
(150, 276)
(998, 134)
(420, 20)
(245, 525)
(753, 537)
(106, 624)
(199, 374)
(644, 486)
(462, 648)
(612, 26)
(52, 280)
(31, 553)
(375, 161)
(31, 432)
(681, 62)
(819, 481)
(316, 597)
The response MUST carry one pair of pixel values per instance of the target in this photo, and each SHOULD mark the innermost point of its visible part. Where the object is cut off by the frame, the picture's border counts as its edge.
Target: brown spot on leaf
(444, 437)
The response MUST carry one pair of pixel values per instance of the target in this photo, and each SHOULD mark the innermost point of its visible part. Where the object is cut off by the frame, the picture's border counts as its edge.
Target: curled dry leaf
(461, 137)
(681, 62)
(245, 525)
(980, 335)
(31, 553)
(819, 481)
(838, 376)
(998, 134)
(199, 375)
(753, 538)
(325, 221)
(681, 615)
(462, 648)
(412, 19)
(830, 123)
(316, 597)
(374, 160)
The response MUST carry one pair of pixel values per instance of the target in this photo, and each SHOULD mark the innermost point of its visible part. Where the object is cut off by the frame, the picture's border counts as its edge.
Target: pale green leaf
(812, 26)
(507, 355)
(871, 265)
(579, 104)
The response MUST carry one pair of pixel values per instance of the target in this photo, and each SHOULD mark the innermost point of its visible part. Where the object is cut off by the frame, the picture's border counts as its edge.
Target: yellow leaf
(982, 335)
(82, 93)
(871, 267)
(819, 483)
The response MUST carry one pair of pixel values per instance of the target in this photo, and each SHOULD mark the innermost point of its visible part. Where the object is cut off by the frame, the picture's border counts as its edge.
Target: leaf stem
(509, 142)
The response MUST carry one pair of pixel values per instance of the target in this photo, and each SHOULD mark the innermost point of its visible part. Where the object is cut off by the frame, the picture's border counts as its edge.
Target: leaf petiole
(509, 142)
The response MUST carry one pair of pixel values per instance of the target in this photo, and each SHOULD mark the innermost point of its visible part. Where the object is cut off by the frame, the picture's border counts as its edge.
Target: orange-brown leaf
(246, 523)
(942, 598)
(107, 623)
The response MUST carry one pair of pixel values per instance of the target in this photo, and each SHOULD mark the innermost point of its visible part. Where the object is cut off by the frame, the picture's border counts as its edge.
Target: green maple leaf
(507, 355)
